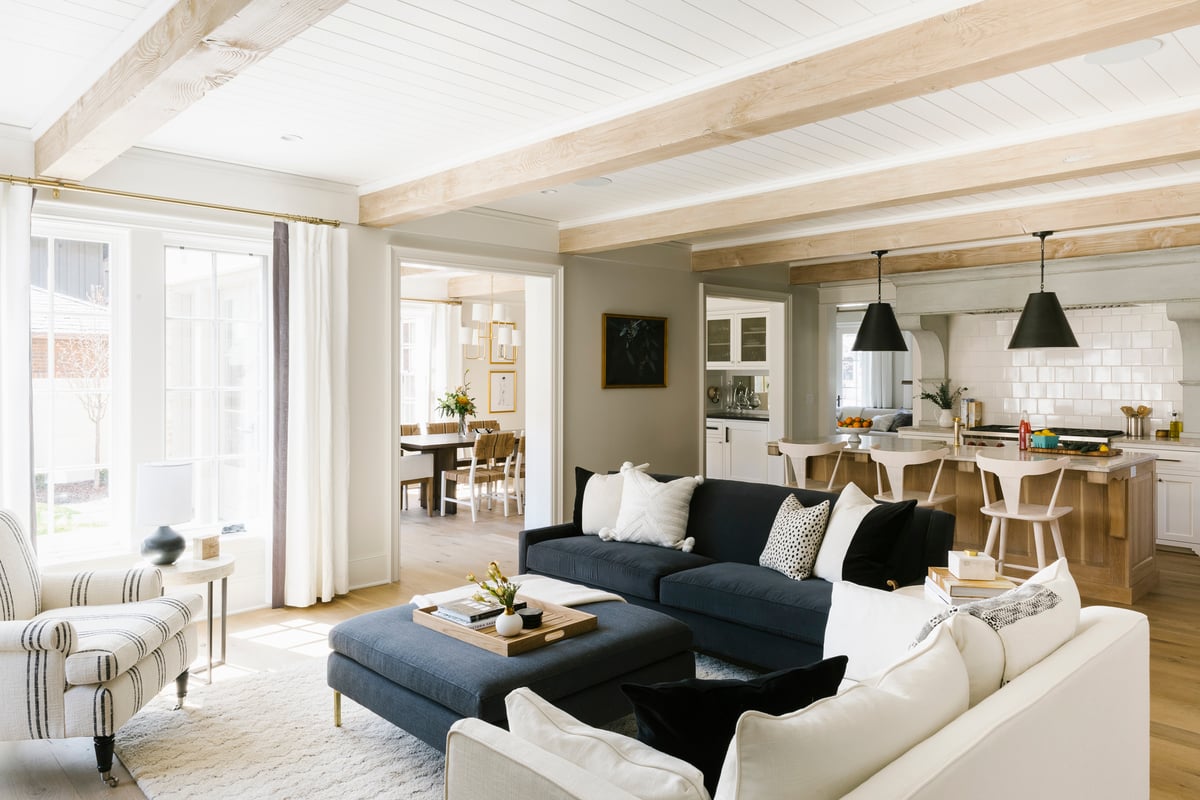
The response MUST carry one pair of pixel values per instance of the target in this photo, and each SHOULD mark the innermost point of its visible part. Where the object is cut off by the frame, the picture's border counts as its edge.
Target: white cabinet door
(714, 450)
(1177, 509)
(719, 341)
(747, 451)
(736, 340)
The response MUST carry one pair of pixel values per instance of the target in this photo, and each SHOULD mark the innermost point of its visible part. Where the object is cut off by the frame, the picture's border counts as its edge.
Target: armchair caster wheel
(109, 780)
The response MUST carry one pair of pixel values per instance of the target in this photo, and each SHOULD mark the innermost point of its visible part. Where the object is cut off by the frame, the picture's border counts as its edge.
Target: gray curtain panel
(279, 351)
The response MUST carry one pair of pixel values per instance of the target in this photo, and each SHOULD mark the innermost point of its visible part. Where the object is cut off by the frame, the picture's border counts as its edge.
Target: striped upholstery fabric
(441, 427)
(20, 584)
(409, 429)
(32, 677)
(100, 710)
(101, 587)
(113, 638)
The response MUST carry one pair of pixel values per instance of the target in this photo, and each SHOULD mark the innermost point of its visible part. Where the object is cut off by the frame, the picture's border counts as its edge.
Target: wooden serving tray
(558, 622)
(1066, 451)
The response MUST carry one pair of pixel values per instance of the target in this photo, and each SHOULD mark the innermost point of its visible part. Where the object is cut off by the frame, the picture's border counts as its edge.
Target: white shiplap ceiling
(385, 92)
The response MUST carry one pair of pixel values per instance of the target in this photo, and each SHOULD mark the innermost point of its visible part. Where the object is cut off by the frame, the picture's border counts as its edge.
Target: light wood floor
(437, 552)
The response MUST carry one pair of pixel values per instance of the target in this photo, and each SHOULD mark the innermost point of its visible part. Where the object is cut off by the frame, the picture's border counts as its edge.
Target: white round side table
(189, 571)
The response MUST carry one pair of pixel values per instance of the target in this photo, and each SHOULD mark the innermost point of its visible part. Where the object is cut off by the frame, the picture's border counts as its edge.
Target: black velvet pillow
(902, 419)
(695, 719)
(581, 478)
(870, 550)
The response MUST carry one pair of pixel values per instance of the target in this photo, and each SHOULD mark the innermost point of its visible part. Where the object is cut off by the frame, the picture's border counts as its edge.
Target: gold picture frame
(502, 391)
(495, 356)
(633, 351)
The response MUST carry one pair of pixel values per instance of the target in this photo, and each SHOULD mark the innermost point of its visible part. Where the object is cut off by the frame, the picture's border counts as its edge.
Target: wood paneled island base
(1108, 538)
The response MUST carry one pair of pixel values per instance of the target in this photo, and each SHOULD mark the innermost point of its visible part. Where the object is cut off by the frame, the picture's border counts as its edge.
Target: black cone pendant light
(879, 329)
(1042, 323)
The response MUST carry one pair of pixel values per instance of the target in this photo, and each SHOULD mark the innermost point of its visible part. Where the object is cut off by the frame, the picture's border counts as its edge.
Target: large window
(416, 369)
(72, 343)
(216, 380)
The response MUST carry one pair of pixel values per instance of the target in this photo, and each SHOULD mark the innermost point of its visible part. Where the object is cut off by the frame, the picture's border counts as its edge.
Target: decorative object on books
(530, 617)
(504, 592)
(458, 403)
(971, 565)
(633, 351)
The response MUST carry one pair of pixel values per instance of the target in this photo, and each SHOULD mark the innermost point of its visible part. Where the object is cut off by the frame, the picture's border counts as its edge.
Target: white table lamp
(164, 497)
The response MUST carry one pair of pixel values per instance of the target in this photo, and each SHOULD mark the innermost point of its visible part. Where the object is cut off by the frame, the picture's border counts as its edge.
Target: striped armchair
(81, 654)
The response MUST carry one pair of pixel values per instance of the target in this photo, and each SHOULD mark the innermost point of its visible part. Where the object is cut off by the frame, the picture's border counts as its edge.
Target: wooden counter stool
(798, 453)
(894, 462)
(1010, 474)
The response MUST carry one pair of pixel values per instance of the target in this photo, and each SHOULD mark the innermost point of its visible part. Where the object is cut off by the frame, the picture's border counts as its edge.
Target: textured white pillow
(825, 750)
(637, 768)
(795, 538)
(872, 627)
(882, 422)
(1034, 619)
(980, 646)
(851, 506)
(653, 512)
(602, 499)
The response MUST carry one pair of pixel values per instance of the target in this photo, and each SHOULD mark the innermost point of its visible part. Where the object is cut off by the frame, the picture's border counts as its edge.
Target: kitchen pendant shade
(879, 330)
(1042, 324)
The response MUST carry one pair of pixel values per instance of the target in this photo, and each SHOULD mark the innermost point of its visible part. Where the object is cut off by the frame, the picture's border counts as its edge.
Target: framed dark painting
(633, 351)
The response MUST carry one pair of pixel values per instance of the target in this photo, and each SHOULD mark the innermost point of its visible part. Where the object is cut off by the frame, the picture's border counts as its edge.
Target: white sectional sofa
(1074, 724)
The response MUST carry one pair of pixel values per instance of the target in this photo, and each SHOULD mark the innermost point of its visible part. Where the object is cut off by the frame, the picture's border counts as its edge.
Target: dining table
(444, 447)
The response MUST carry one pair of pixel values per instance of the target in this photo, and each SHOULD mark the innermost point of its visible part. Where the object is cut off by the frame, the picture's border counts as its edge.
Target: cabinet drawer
(1169, 459)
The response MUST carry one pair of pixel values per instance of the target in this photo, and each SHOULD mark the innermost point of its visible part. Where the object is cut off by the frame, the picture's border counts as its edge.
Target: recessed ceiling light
(1130, 51)
(292, 137)
(549, 191)
(597, 181)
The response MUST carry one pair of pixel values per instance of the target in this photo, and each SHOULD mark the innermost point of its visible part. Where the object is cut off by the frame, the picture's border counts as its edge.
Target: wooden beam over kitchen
(980, 41)
(1119, 208)
(1097, 244)
(194, 48)
(1145, 143)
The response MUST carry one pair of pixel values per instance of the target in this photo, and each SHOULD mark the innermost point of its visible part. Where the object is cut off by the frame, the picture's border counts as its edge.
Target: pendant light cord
(879, 254)
(1042, 235)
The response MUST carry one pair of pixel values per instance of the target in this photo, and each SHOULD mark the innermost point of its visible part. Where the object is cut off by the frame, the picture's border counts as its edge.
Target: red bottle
(1023, 431)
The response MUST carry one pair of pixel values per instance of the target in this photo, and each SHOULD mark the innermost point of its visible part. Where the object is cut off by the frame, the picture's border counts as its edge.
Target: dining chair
(893, 462)
(1009, 506)
(406, 480)
(441, 427)
(491, 458)
(484, 425)
(518, 474)
(417, 470)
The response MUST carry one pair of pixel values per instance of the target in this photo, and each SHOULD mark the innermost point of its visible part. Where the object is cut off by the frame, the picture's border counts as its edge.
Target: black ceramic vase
(163, 546)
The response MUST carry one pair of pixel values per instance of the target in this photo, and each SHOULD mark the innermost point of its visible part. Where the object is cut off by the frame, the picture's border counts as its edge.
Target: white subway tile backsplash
(1126, 356)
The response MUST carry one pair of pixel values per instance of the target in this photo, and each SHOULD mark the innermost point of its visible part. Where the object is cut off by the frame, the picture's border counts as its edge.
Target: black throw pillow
(695, 719)
(581, 478)
(870, 550)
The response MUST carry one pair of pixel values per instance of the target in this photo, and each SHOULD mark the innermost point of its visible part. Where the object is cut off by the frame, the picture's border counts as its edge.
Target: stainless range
(1001, 435)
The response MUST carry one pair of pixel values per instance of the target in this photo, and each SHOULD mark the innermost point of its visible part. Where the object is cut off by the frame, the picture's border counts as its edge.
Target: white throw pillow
(882, 422)
(851, 506)
(980, 646)
(653, 512)
(602, 499)
(1034, 619)
(635, 767)
(827, 749)
(872, 627)
(795, 538)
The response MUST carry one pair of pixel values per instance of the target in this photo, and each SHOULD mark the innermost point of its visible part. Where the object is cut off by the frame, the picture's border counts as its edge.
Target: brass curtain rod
(423, 300)
(79, 187)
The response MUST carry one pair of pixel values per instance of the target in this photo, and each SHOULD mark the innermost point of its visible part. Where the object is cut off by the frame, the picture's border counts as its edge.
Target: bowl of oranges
(854, 426)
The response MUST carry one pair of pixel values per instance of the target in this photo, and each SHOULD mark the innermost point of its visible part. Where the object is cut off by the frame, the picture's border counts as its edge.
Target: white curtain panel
(16, 456)
(318, 483)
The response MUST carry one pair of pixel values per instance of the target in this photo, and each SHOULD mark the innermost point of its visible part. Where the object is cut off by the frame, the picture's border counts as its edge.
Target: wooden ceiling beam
(1145, 205)
(1145, 143)
(1093, 244)
(196, 47)
(980, 41)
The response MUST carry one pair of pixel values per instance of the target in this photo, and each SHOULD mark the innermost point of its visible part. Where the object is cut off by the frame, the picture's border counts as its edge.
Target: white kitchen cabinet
(714, 449)
(1177, 494)
(737, 340)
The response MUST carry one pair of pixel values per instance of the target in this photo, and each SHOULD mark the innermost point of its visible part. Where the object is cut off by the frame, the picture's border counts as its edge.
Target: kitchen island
(1109, 537)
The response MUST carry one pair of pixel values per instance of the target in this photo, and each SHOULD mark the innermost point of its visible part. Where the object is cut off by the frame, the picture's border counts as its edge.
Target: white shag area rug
(270, 736)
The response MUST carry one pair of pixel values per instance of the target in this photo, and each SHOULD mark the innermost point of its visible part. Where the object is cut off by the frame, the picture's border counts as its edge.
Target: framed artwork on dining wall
(633, 351)
(502, 391)
(503, 353)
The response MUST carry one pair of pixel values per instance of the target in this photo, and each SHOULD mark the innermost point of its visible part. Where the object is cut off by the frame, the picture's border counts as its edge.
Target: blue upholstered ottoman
(423, 681)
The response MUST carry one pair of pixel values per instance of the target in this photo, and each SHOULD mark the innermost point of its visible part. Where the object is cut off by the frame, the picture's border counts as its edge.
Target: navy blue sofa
(736, 609)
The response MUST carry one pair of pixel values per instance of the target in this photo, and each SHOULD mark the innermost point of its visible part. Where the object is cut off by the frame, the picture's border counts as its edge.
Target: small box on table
(971, 565)
(205, 547)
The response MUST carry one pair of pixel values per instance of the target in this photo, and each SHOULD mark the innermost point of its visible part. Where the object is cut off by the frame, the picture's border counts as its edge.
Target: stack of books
(471, 613)
(940, 584)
